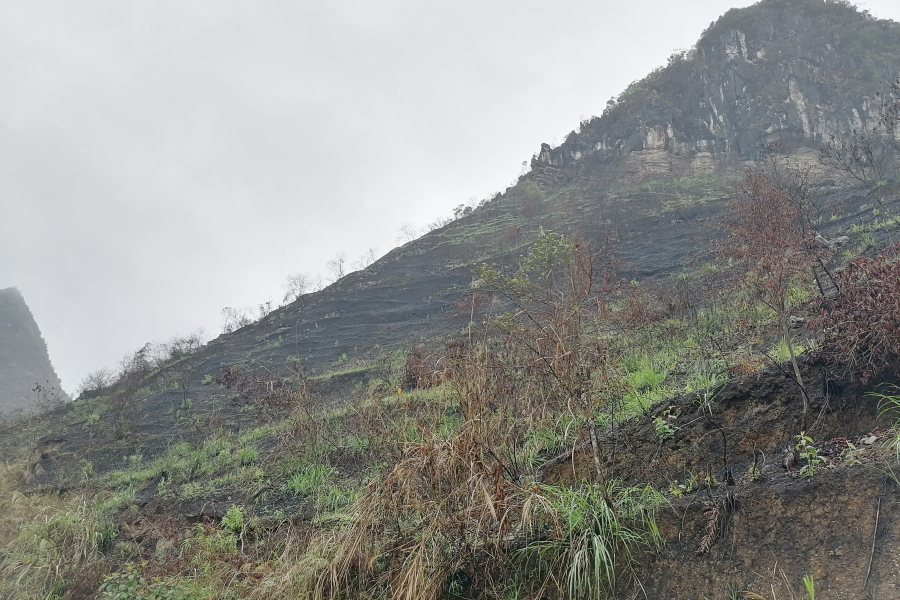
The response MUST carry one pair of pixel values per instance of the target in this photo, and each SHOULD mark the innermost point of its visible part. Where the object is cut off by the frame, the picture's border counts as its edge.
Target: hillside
(591, 386)
(24, 361)
(660, 160)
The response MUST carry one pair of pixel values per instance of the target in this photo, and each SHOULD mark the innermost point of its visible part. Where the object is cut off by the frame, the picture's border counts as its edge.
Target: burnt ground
(781, 530)
(409, 295)
(772, 530)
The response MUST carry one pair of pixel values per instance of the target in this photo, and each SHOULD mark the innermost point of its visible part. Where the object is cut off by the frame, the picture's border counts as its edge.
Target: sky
(162, 160)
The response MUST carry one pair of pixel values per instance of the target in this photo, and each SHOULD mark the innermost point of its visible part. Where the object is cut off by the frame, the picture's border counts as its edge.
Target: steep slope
(660, 160)
(24, 361)
(648, 173)
(214, 487)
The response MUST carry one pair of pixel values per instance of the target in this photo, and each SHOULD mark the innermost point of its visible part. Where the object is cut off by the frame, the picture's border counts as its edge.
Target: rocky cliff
(24, 361)
(789, 71)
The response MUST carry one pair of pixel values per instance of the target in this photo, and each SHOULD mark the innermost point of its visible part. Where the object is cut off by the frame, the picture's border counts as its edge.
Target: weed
(544, 441)
(246, 456)
(886, 404)
(867, 239)
(309, 480)
(754, 472)
(707, 383)
(131, 585)
(233, 520)
(810, 586)
(808, 453)
(689, 484)
(781, 351)
(601, 529)
(850, 455)
(665, 425)
(61, 548)
(255, 434)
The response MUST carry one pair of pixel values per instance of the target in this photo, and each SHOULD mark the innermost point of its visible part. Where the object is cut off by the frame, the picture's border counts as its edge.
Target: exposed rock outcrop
(24, 360)
(793, 71)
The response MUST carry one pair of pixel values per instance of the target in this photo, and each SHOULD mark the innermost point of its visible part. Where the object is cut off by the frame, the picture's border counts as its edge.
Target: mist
(160, 161)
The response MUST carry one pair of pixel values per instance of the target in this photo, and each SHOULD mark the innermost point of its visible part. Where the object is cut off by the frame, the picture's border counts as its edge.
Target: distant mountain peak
(791, 71)
(24, 360)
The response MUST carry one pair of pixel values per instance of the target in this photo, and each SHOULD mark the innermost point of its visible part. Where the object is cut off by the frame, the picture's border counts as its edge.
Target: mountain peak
(791, 71)
(24, 360)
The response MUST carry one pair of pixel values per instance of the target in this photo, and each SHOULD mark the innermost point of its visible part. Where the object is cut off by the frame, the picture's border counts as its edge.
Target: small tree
(769, 234)
(234, 318)
(337, 266)
(559, 297)
(133, 369)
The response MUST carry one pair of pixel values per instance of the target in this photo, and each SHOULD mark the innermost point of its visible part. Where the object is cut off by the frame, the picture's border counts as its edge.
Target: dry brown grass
(49, 544)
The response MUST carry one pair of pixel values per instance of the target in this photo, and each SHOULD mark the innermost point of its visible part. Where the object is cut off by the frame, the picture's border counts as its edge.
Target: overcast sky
(160, 160)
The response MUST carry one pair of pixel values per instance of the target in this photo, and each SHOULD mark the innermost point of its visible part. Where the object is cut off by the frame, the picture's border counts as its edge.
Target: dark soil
(772, 530)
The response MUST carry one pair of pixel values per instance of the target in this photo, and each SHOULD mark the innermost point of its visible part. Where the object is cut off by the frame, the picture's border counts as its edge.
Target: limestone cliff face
(795, 71)
(24, 360)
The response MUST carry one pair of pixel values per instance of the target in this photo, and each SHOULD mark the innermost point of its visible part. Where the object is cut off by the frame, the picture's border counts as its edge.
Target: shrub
(233, 520)
(861, 328)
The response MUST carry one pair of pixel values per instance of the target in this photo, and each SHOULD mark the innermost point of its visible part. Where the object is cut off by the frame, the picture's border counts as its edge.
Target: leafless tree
(337, 266)
(439, 222)
(234, 318)
(295, 286)
(370, 256)
(48, 397)
(407, 233)
(95, 382)
(175, 348)
(264, 309)
(871, 155)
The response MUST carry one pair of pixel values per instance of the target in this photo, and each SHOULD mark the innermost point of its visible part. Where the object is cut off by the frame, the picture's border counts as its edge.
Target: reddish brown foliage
(420, 371)
(862, 326)
(266, 391)
(512, 234)
(470, 303)
(768, 233)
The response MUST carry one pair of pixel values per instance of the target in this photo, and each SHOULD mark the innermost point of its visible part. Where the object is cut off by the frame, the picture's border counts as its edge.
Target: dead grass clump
(447, 507)
(50, 545)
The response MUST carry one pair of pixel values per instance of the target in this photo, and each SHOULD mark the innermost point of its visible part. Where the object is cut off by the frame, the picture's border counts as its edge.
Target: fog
(162, 160)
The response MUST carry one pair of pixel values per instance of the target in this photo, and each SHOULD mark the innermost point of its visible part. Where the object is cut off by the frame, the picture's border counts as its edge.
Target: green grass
(545, 440)
(780, 352)
(56, 548)
(310, 479)
(195, 471)
(600, 531)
